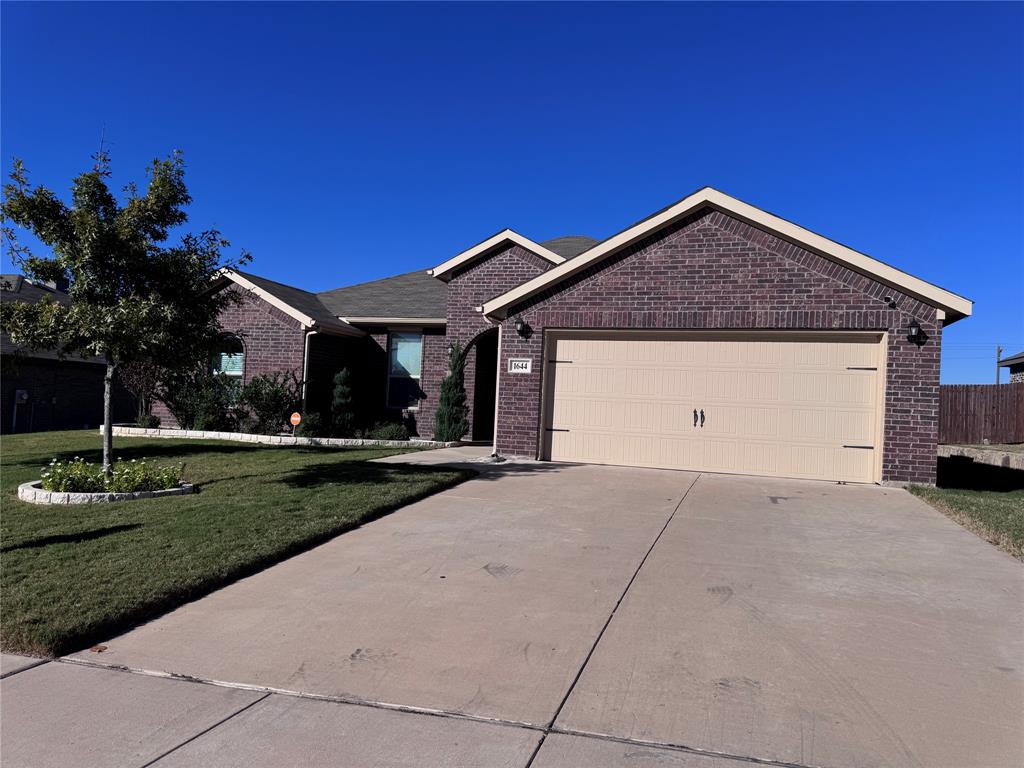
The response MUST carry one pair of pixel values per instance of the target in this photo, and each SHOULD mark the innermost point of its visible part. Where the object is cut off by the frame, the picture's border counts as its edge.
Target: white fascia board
(441, 271)
(927, 292)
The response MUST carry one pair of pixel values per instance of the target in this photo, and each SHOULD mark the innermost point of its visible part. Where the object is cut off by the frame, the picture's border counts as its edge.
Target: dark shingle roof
(17, 288)
(1012, 360)
(570, 246)
(413, 294)
(304, 301)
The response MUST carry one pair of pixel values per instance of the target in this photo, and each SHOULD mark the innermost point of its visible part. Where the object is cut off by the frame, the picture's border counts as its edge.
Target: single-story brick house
(42, 391)
(711, 335)
(1015, 364)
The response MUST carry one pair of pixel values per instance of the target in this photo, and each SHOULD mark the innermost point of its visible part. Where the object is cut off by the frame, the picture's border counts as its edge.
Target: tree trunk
(108, 427)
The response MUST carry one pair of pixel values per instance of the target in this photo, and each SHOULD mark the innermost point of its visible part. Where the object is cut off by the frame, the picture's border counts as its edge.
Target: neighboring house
(1016, 365)
(709, 336)
(40, 390)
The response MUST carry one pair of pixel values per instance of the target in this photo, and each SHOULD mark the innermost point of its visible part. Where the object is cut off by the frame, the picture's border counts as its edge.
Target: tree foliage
(452, 419)
(133, 296)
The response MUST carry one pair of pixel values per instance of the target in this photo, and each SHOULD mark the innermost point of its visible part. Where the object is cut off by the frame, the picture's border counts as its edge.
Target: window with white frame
(229, 359)
(405, 359)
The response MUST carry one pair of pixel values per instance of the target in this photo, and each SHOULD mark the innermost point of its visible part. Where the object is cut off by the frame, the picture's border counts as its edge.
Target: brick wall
(477, 283)
(711, 271)
(374, 379)
(62, 394)
(273, 341)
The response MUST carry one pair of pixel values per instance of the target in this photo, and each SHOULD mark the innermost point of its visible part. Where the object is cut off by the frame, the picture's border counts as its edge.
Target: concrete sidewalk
(551, 616)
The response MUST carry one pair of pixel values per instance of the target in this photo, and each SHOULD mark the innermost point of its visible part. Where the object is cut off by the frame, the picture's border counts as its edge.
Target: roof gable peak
(444, 270)
(950, 304)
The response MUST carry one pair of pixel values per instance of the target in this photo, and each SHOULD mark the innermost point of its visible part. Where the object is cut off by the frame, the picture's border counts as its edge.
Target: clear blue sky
(340, 143)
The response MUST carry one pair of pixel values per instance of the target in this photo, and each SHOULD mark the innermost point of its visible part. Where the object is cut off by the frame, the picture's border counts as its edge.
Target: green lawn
(997, 516)
(73, 575)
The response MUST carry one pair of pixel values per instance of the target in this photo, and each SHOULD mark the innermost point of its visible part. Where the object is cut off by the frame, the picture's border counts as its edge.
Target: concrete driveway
(550, 616)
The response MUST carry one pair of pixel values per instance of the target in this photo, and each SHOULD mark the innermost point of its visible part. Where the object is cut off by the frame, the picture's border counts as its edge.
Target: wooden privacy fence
(972, 413)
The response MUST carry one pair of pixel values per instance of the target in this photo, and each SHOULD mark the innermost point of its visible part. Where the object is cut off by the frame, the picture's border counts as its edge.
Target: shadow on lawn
(71, 538)
(356, 473)
(965, 473)
(373, 472)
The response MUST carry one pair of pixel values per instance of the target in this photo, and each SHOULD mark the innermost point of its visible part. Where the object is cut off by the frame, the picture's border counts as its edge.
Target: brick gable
(470, 286)
(712, 271)
(273, 341)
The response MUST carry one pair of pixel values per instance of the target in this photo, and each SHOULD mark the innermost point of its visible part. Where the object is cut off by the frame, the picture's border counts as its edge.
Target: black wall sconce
(916, 334)
(523, 328)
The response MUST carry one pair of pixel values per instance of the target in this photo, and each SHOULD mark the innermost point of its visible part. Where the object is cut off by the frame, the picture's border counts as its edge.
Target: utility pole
(999, 356)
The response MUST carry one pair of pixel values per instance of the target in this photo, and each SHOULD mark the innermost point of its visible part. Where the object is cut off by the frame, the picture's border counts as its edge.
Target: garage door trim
(553, 335)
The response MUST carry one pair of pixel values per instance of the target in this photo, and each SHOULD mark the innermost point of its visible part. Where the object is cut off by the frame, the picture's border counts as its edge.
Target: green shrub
(79, 476)
(452, 419)
(385, 430)
(148, 421)
(312, 425)
(267, 401)
(343, 417)
(200, 400)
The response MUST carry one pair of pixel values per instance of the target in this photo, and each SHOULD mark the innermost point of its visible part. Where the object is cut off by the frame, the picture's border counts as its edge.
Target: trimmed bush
(312, 425)
(200, 400)
(148, 421)
(385, 430)
(268, 400)
(343, 418)
(452, 419)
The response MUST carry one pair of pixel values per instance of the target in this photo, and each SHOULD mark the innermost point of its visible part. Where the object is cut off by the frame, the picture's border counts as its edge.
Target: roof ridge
(370, 282)
(275, 282)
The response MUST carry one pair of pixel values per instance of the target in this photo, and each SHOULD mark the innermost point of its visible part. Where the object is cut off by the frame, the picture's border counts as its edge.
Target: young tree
(452, 419)
(343, 417)
(132, 297)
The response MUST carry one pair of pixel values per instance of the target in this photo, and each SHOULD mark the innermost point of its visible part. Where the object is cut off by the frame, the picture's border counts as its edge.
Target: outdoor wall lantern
(915, 334)
(523, 328)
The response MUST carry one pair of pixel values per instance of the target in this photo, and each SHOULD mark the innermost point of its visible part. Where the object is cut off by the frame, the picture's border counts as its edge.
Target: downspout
(497, 389)
(305, 367)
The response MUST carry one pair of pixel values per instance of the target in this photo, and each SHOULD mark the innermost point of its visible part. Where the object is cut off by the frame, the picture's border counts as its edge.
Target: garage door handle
(695, 417)
(702, 418)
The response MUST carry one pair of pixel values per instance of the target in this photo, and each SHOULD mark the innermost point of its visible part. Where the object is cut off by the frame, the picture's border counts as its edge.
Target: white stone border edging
(245, 437)
(992, 456)
(34, 494)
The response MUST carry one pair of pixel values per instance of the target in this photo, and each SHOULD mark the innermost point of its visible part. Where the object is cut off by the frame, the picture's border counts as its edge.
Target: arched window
(229, 358)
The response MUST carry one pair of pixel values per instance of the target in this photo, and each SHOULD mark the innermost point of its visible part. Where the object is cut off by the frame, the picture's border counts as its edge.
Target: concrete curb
(244, 437)
(33, 493)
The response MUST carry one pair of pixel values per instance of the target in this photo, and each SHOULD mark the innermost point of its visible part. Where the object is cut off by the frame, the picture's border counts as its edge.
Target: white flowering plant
(80, 476)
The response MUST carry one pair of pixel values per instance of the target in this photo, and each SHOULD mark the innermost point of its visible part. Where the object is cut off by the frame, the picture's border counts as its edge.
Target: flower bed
(81, 482)
(80, 476)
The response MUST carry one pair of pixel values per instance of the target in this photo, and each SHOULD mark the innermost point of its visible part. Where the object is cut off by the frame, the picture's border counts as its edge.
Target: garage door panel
(773, 407)
(853, 389)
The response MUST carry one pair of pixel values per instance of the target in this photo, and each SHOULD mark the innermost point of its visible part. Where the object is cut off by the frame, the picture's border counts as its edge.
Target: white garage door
(789, 404)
